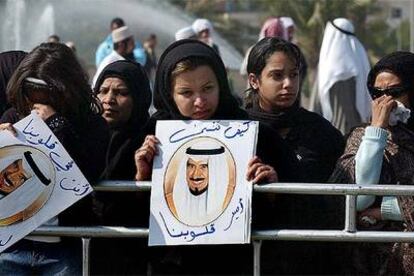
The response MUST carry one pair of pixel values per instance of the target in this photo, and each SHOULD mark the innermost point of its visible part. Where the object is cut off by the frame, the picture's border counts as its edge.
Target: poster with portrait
(38, 179)
(200, 194)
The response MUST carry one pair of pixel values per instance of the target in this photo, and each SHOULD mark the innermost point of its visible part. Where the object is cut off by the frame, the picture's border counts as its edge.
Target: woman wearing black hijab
(125, 95)
(125, 108)
(383, 152)
(185, 56)
(8, 64)
(191, 83)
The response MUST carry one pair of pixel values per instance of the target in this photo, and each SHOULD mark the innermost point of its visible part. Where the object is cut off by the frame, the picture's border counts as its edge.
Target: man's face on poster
(197, 175)
(12, 177)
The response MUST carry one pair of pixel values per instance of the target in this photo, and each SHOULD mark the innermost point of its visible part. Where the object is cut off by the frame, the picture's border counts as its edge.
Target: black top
(270, 147)
(9, 61)
(123, 142)
(316, 143)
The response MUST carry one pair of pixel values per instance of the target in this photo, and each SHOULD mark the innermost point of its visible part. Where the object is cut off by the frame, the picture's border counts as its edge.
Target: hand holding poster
(200, 194)
(38, 179)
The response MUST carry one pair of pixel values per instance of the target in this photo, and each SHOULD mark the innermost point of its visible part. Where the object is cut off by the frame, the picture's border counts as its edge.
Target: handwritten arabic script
(4, 242)
(188, 235)
(235, 214)
(215, 126)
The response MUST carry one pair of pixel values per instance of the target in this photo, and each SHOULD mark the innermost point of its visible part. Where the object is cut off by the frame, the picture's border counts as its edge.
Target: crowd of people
(361, 132)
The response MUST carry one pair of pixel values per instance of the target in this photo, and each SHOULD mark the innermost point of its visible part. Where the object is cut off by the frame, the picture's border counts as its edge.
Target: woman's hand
(144, 157)
(258, 172)
(44, 111)
(9, 127)
(381, 110)
(369, 217)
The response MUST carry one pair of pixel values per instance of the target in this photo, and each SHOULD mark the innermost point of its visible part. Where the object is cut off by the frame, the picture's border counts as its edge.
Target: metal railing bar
(257, 245)
(292, 188)
(85, 256)
(297, 235)
(334, 235)
(350, 213)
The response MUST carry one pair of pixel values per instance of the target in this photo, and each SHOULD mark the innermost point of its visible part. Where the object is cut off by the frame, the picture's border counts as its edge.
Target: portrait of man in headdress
(26, 176)
(200, 185)
(12, 177)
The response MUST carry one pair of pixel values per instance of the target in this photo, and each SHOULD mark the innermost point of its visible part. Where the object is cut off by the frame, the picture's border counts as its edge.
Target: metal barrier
(349, 234)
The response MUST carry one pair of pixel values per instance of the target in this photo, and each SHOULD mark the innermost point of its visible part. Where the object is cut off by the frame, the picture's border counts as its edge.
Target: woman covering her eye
(51, 82)
(383, 152)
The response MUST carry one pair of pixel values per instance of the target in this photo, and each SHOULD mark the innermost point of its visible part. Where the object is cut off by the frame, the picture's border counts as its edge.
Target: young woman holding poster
(191, 84)
(273, 72)
(51, 82)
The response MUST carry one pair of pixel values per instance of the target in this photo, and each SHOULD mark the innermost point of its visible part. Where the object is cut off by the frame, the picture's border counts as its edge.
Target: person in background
(123, 50)
(51, 82)
(289, 28)
(342, 72)
(8, 64)
(124, 92)
(151, 64)
(185, 33)
(383, 152)
(106, 47)
(204, 30)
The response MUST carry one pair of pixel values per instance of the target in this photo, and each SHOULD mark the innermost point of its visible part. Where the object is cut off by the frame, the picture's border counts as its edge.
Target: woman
(191, 83)
(51, 82)
(273, 71)
(124, 92)
(383, 153)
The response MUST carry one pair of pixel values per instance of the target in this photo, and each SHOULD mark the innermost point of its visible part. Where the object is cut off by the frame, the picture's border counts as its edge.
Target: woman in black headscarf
(191, 83)
(125, 95)
(125, 106)
(185, 56)
(383, 152)
(8, 64)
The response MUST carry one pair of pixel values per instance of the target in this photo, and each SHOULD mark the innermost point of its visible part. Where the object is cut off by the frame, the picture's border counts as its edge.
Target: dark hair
(67, 83)
(186, 65)
(400, 64)
(262, 51)
(118, 21)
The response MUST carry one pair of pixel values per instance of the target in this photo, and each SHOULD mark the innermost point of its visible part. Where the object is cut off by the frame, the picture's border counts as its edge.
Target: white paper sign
(38, 179)
(199, 192)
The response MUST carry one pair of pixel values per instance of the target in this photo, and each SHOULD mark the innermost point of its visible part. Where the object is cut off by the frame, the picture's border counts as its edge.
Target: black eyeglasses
(394, 91)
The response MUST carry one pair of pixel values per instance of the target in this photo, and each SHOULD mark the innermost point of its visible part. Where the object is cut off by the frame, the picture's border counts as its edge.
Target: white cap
(120, 34)
(202, 24)
(183, 33)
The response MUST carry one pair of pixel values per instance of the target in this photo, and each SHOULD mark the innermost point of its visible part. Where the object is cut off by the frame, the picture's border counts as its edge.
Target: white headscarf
(184, 33)
(198, 210)
(287, 23)
(342, 56)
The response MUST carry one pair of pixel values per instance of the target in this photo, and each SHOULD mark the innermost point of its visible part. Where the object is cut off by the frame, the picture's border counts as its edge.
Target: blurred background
(382, 26)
